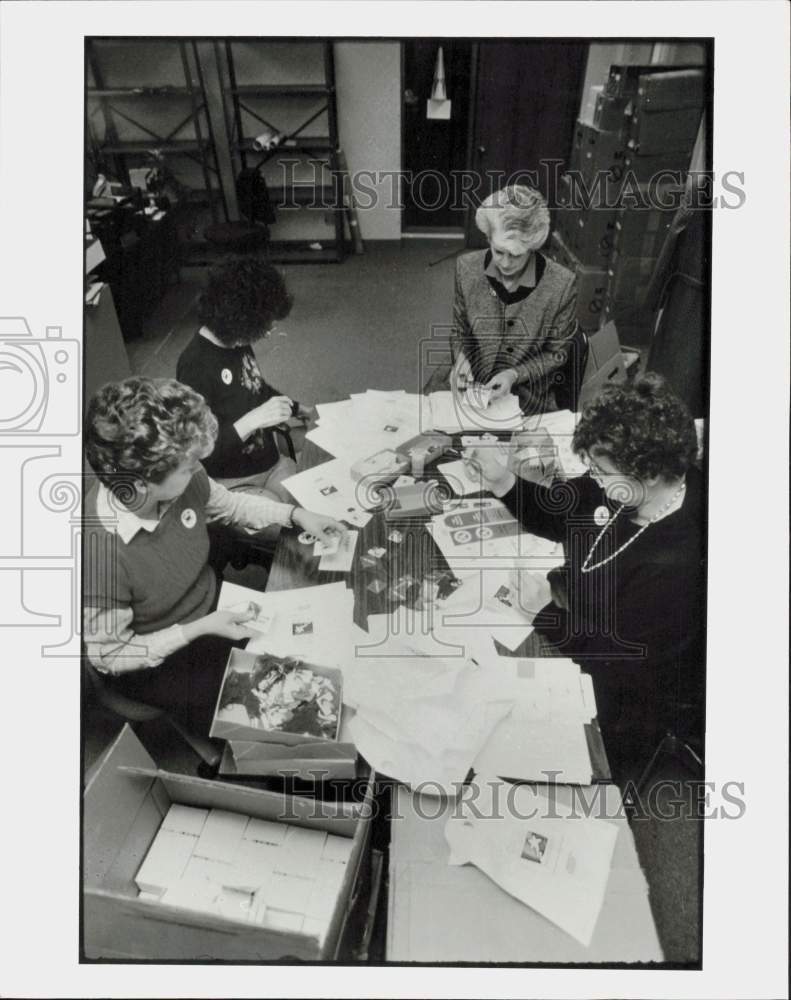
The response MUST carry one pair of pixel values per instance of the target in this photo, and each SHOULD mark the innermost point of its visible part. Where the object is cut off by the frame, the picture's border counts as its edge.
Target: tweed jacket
(531, 335)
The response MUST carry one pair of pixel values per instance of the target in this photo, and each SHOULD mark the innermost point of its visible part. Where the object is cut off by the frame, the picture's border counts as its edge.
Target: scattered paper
(329, 489)
(340, 561)
(454, 413)
(551, 859)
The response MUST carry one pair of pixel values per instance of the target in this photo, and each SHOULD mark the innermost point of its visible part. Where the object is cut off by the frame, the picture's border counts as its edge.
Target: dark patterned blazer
(529, 329)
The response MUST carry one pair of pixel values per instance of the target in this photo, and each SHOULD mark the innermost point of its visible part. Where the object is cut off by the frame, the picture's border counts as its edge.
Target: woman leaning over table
(628, 601)
(150, 594)
(513, 309)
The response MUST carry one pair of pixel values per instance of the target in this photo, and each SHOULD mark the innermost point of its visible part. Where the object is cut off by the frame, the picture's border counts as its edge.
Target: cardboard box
(248, 673)
(441, 913)
(605, 363)
(125, 802)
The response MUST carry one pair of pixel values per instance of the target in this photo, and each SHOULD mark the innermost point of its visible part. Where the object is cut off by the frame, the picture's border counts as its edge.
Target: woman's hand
(273, 412)
(501, 384)
(490, 461)
(460, 375)
(269, 414)
(531, 591)
(320, 525)
(229, 624)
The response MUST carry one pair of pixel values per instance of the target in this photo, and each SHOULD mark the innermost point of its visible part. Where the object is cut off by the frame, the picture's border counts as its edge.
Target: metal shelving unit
(251, 104)
(116, 152)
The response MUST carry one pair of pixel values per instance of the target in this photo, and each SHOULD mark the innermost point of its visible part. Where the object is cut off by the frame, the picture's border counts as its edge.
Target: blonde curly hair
(518, 210)
(145, 427)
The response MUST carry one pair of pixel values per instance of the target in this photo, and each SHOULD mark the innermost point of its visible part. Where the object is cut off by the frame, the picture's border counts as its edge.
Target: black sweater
(641, 608)
(230, 381)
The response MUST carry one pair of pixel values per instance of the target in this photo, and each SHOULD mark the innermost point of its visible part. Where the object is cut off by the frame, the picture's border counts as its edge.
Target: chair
(684, 736)
(137, 711)
(568, 379)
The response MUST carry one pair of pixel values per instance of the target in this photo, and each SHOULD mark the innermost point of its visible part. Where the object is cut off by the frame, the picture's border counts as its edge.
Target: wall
(368, 78)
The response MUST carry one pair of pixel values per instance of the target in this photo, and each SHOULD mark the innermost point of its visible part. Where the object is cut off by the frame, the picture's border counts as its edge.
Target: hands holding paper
(460, 375)
(269, 414)
(320, 525)
(501, 384)
(489, 459)
(230, 624)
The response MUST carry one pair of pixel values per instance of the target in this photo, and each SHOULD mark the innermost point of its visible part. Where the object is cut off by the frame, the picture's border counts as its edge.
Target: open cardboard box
(125, 802)
(605, 363)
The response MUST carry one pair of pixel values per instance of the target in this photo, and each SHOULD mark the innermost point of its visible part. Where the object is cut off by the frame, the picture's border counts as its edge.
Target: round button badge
(601, 516)
(189, 518)
(226, 375)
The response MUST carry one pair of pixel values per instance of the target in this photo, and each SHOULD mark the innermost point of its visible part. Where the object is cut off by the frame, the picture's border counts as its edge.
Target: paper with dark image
(549, 857)
(278, 699)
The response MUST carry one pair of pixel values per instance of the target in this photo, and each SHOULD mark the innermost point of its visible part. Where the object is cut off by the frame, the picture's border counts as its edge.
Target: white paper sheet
(462, 478)
(329, 489)
(453, 413)
(536, 850)
(340, 561)
(543, 737)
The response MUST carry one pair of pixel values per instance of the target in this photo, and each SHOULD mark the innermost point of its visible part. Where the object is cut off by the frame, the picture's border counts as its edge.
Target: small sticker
(305, 538)
(503, 595)
(189, 518)
(226, 375)
(535, 847)
(601, 516)
(328, 490)
(302, 628)
(390, 428)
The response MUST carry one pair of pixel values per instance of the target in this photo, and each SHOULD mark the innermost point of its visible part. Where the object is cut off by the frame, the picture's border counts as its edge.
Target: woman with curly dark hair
(627, 602)
(244, 299)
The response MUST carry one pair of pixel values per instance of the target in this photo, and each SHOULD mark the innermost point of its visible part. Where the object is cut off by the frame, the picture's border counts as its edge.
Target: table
(439, 913)
(434, 910)
(294, 566)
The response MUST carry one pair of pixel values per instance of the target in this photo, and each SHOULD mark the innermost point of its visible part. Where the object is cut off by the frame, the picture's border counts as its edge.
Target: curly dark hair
(244, 297)
(145, 427)
(641, 426)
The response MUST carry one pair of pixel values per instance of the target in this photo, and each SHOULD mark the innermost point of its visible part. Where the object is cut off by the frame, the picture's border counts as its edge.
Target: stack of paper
(368, 422)
(548, 856)
(420, 718)
(543, 737)
(454, 413)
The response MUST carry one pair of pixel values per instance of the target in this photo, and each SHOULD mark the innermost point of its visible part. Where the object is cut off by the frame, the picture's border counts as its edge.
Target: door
(527, 98)
(435, 149)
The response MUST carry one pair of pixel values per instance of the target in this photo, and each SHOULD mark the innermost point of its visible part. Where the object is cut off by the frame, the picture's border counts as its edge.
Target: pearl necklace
(586, 568)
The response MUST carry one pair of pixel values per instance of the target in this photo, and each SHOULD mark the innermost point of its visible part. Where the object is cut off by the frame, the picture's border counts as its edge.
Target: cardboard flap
(112, 802)
(338, 818)
(604, 345)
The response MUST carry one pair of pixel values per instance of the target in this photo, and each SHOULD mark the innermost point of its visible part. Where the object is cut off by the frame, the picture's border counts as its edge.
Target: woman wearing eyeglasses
(628, 600)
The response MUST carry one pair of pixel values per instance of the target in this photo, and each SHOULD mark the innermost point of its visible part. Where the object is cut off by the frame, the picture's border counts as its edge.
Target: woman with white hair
(514, 309)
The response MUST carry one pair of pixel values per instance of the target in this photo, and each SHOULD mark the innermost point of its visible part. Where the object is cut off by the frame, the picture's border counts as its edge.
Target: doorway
(435, 150)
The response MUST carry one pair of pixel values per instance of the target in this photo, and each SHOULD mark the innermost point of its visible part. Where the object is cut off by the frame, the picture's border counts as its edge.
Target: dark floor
(354, 326)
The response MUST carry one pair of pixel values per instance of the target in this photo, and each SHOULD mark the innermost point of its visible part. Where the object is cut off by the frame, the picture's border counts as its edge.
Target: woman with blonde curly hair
(627, 602)
(513, 309)
(149, 591)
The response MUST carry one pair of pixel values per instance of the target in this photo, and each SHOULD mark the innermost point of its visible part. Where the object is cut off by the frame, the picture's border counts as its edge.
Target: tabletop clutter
(421, 692)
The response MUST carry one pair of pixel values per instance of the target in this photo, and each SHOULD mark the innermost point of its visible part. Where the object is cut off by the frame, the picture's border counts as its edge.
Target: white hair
(518, 210)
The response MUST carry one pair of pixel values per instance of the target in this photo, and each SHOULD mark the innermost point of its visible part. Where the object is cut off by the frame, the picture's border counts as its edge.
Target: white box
(234, 904)
(185, 819)
(282, 920)
(265, 832)
(286, 892)
(165, 862)
(192, 894)
(221, 835)
(337, 849)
